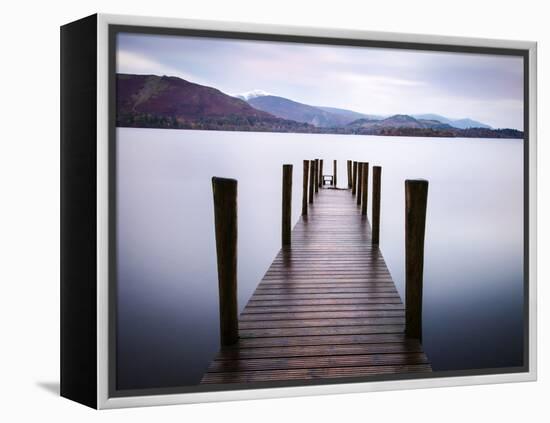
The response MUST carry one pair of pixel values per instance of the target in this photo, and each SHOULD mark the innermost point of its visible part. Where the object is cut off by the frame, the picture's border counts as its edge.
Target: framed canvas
(254, 211)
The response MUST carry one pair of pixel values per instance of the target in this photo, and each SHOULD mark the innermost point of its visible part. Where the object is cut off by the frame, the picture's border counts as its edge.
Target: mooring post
(365, 185)
(304, 188)
(225, 219)
(316, 176)
(354, 179)
(321, 183)
(416, 196)
(335, 172)
(376, 185)
(311, 179)
(359, 182)
(287, 203)
(349, 174)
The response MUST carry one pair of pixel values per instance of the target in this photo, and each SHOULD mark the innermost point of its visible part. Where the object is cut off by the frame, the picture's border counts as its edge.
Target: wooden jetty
(327, 306)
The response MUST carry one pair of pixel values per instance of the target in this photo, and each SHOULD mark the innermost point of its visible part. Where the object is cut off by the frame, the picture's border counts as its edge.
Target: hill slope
(457, 123)
(350, 115)
(405, 125)
(398, 121)
(299, 112)
(171, 102)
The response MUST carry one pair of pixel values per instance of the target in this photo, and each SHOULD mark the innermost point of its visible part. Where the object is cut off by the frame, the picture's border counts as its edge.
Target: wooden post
(335, 172)
(349, 174)
(321, 173)
(354, 179)
(304, 188)
(316, 176)
(365, 185)
(311, 180)
(287, 203)
(416, 196)
(225, 218)
(376, 185)
(359, 182)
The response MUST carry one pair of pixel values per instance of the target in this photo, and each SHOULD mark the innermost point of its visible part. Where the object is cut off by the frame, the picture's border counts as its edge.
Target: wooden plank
(323, 285)
(271, 317)
(308, 374)
(321, 308)
(313, 276)
(329, 330)
(355, 360)
(306, 323)
(375, 338)
(320, 350)
(330, 296)
(330, 290)
(330, 301)
(327, 279)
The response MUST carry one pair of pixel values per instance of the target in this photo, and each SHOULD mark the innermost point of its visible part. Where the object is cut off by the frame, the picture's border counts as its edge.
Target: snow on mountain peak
(252, 94)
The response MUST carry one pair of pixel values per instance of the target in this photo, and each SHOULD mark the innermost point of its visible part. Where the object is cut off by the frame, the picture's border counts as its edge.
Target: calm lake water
(167, 281)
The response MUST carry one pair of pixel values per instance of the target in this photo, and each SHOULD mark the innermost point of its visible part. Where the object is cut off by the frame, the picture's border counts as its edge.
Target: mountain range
(464, 123)
(152, 101)
(299, 112)
(326, 117)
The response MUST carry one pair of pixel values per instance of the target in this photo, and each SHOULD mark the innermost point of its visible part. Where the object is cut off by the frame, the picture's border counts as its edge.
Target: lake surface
(167, 326)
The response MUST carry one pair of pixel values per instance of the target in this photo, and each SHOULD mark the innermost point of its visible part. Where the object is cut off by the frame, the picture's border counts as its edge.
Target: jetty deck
(326, 308)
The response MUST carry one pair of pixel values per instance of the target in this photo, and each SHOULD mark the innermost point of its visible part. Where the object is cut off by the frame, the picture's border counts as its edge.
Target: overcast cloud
(487, 88)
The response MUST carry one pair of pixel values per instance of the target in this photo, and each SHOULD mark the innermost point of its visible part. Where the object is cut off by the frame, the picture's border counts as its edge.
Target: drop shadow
(51, 387)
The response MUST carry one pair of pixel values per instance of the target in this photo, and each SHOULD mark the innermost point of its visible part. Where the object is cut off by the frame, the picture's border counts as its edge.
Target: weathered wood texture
(359, 182)
(365, 185)
(304, 187)
(321, 173)
(326, 308)
(349, 174)
(311, 180)
(416, 197)
(286, 205)
(316, 176)
(335, 172)
(354, 179)
(376, 188)
(225, 220)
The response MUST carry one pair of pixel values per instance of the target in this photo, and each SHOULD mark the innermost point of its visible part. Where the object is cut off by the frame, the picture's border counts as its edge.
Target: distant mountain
(171, 102)
(457, 123)
(299, 112)
(408, 126)
(350, 114)
(327, 117)
(469, 123)
(398, 121)
(172, 96)
(151, 101)
(321, 117)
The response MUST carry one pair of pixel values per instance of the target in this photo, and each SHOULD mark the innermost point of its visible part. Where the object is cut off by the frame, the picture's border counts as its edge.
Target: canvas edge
(103, 399)
(102, 211)
(78, 231)
(533, 170)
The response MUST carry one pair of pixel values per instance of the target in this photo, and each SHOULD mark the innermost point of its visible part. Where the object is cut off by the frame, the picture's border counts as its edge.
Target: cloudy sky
(487, 88)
